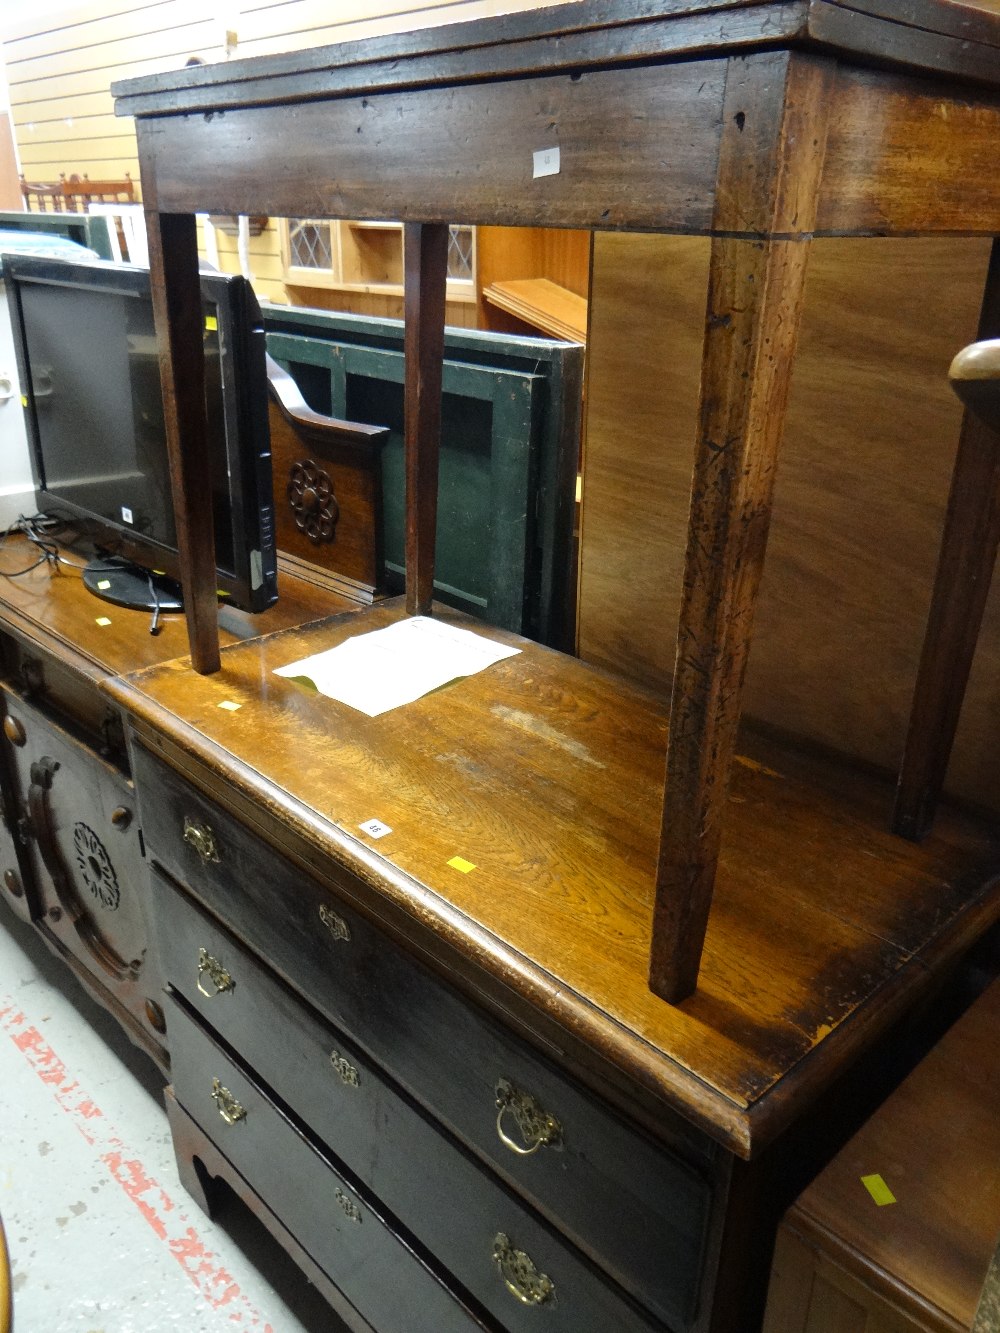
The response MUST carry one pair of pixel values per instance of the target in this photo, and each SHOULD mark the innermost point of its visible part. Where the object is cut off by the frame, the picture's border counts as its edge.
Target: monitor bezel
(252, 584)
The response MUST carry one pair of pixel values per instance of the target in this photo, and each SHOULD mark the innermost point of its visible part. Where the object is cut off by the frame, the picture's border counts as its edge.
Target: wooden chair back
(79, 192)
(75, 194)
(42, 198)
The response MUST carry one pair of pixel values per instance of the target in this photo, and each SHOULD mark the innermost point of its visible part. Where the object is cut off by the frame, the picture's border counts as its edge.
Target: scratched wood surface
(547, 776)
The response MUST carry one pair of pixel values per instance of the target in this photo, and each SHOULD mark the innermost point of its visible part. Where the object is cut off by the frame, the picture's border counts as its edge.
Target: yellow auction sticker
(878, 1189)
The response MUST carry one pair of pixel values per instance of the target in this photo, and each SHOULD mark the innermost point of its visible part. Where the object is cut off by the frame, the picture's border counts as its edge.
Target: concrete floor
(103, 1238)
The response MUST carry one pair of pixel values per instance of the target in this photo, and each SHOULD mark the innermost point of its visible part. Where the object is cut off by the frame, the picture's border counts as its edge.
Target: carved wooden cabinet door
(77, 819)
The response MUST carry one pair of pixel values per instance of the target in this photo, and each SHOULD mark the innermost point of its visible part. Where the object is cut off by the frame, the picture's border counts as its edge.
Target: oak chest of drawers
(401, 1107)
(446, 1027)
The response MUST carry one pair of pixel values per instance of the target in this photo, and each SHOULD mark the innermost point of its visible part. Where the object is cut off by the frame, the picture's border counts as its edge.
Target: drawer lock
(520, 1275)
(229, 1108)
(536, 1127)
(202, 839)
(220, 979)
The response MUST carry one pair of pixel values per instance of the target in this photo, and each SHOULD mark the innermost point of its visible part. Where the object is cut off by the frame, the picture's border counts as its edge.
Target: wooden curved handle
(975, 376)
(313, 425)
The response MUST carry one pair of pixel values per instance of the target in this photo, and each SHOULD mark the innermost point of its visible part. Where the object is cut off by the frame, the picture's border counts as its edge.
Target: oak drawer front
(452, 1203)
(638, 1209)
(377, 1270)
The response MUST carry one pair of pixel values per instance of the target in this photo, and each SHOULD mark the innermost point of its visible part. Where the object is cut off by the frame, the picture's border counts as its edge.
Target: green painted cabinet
(509, 456)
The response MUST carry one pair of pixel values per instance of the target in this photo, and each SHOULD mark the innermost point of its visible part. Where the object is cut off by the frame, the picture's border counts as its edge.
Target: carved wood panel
(79, 825)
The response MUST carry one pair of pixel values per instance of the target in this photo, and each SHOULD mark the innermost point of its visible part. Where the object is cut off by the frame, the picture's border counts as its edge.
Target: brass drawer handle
(537, 1128)
(351, 1209)
(520, 1275)
(216, 973)
(229, 1108)
(202, 839)
(335, 924)
(348, 1074)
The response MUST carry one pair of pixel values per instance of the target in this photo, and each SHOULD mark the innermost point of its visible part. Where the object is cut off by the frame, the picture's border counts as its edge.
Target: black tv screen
(89, 369)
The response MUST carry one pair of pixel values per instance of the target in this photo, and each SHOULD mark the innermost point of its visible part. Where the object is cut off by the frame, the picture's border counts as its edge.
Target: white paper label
(546, 162)
(375, 828)
(126, 515)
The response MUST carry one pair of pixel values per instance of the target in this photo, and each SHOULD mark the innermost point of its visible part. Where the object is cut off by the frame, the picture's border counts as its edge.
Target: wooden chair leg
(969, 547)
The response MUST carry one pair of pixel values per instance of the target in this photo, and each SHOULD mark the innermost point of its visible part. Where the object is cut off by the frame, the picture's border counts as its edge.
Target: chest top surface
(545, 775)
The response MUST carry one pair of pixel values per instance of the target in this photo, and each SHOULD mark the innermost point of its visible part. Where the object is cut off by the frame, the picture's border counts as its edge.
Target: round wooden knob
(155, 1016)
(121, 817)
(12, 883)
(13, 730)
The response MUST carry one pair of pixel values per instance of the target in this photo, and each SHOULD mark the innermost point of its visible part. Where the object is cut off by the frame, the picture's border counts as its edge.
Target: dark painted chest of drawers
(530, 1200)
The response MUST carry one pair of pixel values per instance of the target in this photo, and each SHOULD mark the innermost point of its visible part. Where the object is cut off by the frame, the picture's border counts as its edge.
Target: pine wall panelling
(60, 68)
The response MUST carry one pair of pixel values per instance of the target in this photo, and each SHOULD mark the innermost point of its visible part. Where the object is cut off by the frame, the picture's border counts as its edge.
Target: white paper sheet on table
(388, 667)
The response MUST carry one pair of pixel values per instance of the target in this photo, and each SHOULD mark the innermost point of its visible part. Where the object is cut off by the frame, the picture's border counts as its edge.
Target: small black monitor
(87, 358)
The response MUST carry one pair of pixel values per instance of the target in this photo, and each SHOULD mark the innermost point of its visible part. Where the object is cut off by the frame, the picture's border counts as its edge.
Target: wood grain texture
(348, 455)
(961, 589)
(578, 35)
(860, 499)
(971, 20)
(875, 183)
(769, 169)
(543, 306)
(396, 155)
(561, 37)
(936, 1143)
(425, 261)
(546, 775)
(811, 1294)
(178, 315)
(52, 609)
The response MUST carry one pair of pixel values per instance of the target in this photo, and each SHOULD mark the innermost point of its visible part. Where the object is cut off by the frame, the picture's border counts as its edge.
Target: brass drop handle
(210, 967)
(538, 1129)
(521, 1278)
(202, 839)
(229, 1108)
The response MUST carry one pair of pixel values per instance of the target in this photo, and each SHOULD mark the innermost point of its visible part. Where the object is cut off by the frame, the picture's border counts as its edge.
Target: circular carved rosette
(313, 503)
(95, 867)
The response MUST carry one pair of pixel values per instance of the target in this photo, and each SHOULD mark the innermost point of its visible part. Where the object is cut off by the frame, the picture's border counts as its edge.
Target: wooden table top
(955, 37)
(546, 774)
(49, 605)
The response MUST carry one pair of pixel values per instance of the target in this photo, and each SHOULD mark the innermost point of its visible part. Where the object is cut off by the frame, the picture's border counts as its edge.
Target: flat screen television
(89, 370)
